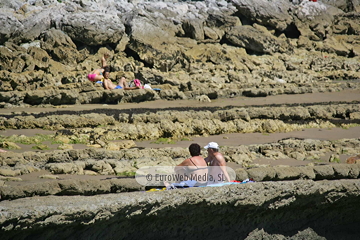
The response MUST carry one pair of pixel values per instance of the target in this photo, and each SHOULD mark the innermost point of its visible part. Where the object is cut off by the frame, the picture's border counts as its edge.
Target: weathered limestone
(104, 161)
(111, 167)
(191, 50)
(213, 48)
(328, 209)
(54, 186)
(101, 126)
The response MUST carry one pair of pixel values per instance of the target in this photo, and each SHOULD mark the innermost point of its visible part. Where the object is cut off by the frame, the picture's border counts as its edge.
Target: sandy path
(237, 139)
(328, 97)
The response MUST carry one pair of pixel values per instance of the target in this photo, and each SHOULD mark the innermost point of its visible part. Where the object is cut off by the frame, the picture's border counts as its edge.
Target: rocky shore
(113, 184)
(302, 209)
(190, 49)
(226, 70)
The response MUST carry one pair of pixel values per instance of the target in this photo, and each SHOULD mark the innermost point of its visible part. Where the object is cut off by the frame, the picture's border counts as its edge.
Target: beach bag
(135, 83)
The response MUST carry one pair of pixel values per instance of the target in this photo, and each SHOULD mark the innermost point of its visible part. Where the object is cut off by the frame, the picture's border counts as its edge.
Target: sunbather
(122, 84)
(192, 172)
(217, 163)
(97, 74)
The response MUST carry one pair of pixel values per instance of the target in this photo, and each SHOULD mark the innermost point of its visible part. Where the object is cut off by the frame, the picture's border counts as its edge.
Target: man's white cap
(212, 145)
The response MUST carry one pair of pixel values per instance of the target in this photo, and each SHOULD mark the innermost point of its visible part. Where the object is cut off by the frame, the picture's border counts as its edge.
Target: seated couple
(197, 171)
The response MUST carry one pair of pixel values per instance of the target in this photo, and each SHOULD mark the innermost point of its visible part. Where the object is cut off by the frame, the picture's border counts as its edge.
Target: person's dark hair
(194, 149)
(106, 69)
(215, 149)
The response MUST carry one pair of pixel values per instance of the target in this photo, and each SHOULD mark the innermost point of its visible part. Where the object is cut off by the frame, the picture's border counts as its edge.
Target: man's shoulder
(218, 155)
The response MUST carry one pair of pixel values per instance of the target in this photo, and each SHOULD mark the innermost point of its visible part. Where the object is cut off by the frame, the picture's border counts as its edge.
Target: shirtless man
(109, 85)
(217, 163)
(194, 168)
(103, 60)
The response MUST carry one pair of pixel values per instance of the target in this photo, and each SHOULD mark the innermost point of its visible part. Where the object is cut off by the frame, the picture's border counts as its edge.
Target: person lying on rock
(122, 84)
(217, 163)
(192, 172)
(97, 74)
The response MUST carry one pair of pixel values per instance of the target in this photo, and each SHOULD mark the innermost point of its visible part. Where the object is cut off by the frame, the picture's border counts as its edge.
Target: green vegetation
(78, 141)
(37, 139)
(347, 126)
(185, 139)
(82, 139)
(40, 147)
(164, 141)
(9, 145)
(335, 159)
(126, 174)
(56, 142)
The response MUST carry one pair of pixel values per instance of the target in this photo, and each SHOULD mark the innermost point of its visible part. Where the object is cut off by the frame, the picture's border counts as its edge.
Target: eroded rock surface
(328, 209)
(197, 50)
(215, 48)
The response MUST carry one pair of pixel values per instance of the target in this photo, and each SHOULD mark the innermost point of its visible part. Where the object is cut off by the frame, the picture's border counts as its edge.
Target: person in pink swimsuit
(97, 74)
